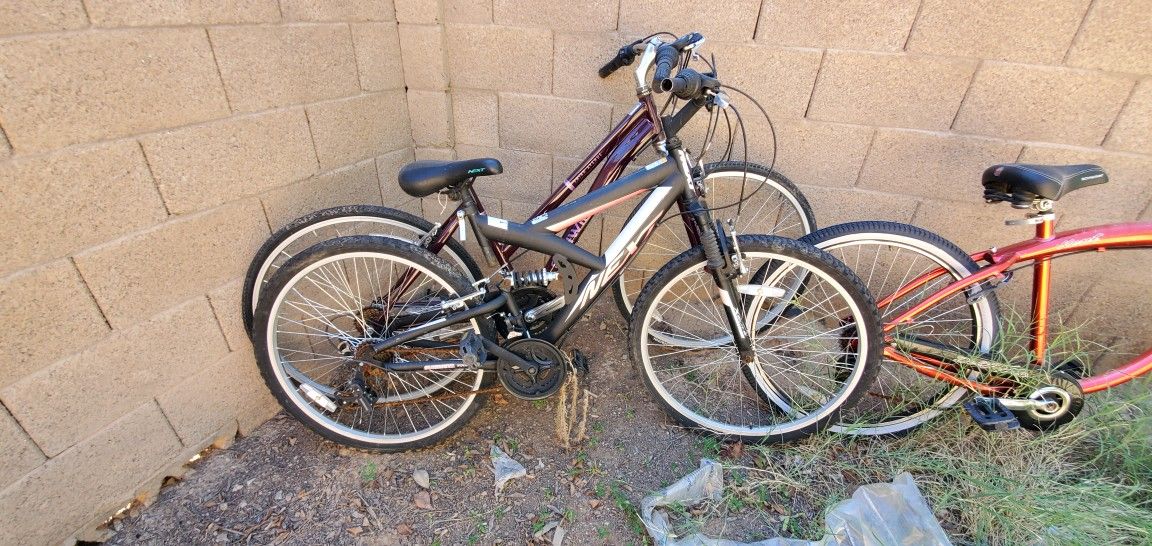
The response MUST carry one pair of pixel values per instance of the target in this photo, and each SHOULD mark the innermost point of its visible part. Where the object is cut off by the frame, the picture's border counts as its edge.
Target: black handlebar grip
(666, 57)
(611, 67)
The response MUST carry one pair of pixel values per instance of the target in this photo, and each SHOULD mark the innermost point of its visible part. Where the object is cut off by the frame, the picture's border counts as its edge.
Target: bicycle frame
(640, 127)
(1039, 251)
(666, 182)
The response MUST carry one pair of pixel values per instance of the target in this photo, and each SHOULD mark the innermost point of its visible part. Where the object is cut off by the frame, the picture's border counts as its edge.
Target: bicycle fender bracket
(762, 290)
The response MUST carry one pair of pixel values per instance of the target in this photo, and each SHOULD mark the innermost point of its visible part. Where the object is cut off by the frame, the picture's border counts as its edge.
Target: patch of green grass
(1088, 482)
(368, 472)
(628, 508)
(540, 403)
(603, 532)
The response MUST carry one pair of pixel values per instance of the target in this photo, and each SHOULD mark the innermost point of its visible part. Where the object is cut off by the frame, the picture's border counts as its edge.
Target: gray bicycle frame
(665, 182)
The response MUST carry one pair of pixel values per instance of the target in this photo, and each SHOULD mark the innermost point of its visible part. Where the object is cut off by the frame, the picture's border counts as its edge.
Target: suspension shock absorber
(539, 277)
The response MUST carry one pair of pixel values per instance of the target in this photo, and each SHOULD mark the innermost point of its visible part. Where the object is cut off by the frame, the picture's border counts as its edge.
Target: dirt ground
(285, 485)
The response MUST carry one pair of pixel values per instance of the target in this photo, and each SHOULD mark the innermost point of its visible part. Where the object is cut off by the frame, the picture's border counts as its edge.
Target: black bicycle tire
(343, 245)
(878, 230)
(854, 288)
(263, 254)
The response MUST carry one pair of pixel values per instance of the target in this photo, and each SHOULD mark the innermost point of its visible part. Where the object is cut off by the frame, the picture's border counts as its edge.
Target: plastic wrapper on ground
(881, 514)
(505, 468)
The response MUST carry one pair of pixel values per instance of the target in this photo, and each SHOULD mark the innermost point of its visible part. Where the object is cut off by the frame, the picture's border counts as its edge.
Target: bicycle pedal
(580, 362)
(991, 415)
(472, 349)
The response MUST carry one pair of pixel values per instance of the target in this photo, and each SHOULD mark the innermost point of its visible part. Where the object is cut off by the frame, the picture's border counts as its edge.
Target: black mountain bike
(377, 343)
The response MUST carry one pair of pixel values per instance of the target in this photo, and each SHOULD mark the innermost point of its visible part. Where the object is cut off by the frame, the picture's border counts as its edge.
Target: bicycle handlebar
(666, 57)
(623, 58)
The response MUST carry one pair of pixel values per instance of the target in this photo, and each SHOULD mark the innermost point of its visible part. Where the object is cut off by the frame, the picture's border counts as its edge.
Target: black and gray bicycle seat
(1019, 182)
(423, 178)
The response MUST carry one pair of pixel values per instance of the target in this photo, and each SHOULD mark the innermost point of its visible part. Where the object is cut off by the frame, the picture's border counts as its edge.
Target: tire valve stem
(318, 397)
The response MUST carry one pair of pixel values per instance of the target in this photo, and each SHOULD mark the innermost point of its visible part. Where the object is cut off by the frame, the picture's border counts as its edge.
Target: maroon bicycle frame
(1039, 251)
(639, 128)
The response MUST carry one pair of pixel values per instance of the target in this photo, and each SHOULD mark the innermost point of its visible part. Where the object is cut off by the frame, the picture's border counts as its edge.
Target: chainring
(542, 381)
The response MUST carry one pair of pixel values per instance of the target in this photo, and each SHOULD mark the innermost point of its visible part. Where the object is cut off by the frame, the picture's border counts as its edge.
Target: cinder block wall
(146, 151)
(882, 110)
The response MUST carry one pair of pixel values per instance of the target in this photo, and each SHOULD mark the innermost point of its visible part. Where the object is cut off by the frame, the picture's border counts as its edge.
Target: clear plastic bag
(880, 514)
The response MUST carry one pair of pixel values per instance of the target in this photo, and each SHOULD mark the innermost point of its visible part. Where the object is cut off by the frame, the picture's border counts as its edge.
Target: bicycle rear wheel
(777, 208)
(811, 361)
(886, 256)
(322, 308)
(330, 223)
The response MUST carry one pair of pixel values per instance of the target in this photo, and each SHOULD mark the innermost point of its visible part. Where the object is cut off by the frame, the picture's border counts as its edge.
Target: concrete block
(1122, 199)
(987, 29)
(838, 205)
(1114, 37)
(579, 15)
(577, 57)
(138, 276)
(972, 225)
(51, 503)
(780, 78)
(734, 22)
(205, 165)
(338, 10)
(349, 130)
(1133, 129)
(527, 176)
(421, 12)
(271, 66)
(20, 456)
(34, 300)
(847, 24)
(64, 89)
(217, 395)
(378, 56)
(475, 117)
(435, 154)
(562, 167)
(387, 167)
(64, 403)
(41, 16)
(226, 301)
(1042, 103)
(911, 91)
(809, 152)
(103, 191)
(467, 11)
(934, 165)
(128, 13)
(552, 125)
(473, 65)
(423, 55)
(352, 185)
(433, 112)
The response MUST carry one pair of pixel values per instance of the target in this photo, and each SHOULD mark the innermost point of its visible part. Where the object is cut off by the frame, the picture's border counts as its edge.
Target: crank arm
(1025, 404)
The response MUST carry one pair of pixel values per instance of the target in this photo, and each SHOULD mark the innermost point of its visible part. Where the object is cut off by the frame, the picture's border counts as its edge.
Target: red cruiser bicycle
(942, 317)
(755, 197)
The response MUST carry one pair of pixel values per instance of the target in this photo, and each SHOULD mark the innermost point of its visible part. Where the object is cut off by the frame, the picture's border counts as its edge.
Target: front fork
(714, 241)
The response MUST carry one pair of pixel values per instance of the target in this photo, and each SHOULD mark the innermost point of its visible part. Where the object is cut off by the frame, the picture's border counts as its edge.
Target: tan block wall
(882, 110)
(146, 150)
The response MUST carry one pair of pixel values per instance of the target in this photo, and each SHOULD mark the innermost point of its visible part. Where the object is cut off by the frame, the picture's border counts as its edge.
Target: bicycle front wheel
(774, 206)
(330, 223)
(814, 329)
(321, 310)
(887, 256)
